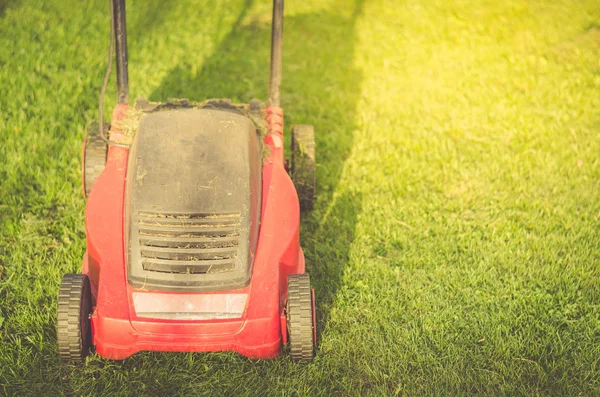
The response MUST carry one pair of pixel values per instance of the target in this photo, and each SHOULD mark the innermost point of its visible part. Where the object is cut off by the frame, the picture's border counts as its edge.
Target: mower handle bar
(119, 32)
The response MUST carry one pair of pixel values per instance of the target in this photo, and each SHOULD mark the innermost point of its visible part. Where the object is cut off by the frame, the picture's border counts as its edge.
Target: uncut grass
(454, 242)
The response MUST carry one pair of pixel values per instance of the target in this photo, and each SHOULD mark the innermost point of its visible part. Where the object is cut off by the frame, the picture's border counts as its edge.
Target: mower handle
(276, 53)
(119, 32)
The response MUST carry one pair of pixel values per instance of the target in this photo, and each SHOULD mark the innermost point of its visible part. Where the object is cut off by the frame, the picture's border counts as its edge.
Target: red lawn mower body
(260, 329)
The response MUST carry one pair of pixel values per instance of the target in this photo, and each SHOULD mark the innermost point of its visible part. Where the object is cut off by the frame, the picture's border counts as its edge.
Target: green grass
(455, 243)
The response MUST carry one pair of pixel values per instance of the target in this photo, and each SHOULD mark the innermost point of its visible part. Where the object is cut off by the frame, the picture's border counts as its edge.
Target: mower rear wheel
(300, 317)
(73, 331)
(304, 170)
(94, 157)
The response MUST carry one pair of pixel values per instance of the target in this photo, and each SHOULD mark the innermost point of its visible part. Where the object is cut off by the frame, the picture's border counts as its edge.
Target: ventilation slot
(189, 243)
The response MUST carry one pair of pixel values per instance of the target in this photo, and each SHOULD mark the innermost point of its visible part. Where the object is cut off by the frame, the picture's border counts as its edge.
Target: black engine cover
(193, 200)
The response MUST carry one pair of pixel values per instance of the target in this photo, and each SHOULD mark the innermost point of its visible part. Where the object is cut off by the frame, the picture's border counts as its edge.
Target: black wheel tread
(74, 302)
(94, 157)
(299, 317)
(303, 164)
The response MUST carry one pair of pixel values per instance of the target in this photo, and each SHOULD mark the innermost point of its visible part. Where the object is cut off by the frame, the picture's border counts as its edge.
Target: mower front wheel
(73, 330)
(94, 156)
(304, 170)
(301, 317)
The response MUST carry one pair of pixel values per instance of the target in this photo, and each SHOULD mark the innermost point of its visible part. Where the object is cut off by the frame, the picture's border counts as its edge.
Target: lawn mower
(192, 226)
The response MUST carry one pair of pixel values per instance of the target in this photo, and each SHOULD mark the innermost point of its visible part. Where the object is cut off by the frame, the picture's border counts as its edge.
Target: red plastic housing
(118, 332)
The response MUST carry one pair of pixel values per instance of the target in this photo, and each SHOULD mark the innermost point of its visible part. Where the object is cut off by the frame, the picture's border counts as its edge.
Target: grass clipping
(129, 124)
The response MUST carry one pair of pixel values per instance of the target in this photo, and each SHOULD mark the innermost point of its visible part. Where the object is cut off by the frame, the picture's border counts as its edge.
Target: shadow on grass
(4, 4)
(148, 18)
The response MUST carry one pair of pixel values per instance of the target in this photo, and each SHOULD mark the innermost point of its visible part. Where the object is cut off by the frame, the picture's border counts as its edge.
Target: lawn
(455, 242)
